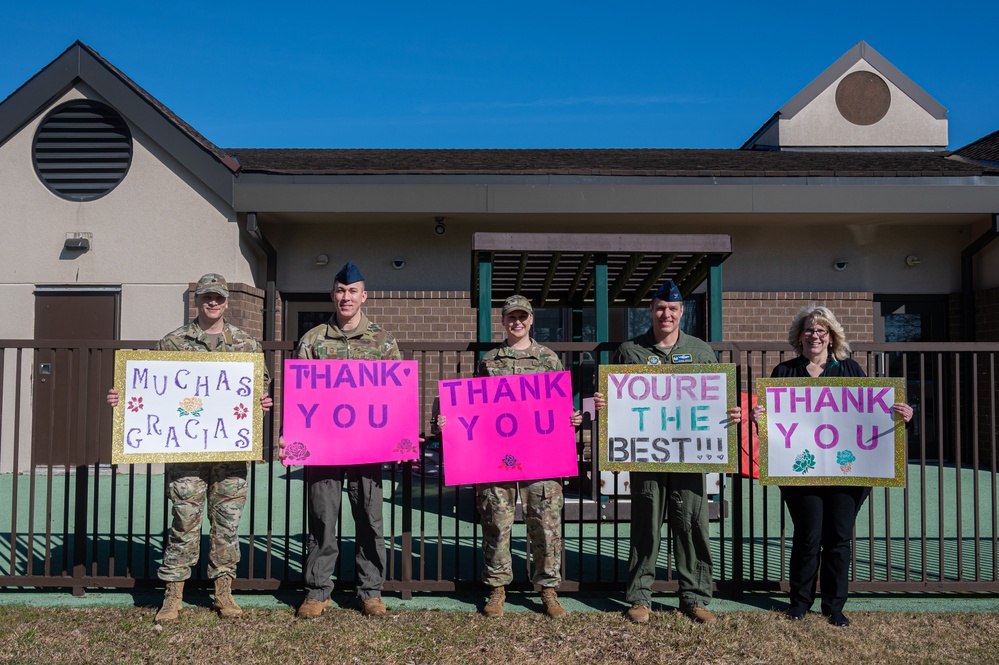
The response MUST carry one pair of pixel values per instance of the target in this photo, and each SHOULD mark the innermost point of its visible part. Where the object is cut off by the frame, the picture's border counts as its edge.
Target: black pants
(824, 518)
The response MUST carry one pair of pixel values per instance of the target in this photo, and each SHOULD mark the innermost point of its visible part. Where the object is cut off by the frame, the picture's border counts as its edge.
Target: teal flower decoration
(845, 457)
(804, 462)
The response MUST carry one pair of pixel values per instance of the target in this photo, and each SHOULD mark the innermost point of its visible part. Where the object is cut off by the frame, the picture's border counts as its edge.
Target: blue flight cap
(349, 274)
(668, 292)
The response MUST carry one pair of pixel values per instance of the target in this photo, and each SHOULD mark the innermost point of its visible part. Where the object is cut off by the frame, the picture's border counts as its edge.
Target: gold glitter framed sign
(186, 406)
(668, 418)
(831, 431)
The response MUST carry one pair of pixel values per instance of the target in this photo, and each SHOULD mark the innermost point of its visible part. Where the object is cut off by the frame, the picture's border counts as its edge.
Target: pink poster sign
(350, 411)
(507, 428)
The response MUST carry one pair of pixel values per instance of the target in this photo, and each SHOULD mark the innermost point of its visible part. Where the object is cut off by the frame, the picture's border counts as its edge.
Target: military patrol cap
(517, 303)
(212, 283)
(668, 292)
(349, 274)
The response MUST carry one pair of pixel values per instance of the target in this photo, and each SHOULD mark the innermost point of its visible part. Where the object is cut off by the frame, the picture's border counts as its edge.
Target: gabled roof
(600, 162)
(985, 149)
(860, 51)
(81, 64)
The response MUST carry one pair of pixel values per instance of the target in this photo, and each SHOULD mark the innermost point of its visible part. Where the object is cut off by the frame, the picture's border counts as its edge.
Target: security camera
(840, 265)
(399, 264)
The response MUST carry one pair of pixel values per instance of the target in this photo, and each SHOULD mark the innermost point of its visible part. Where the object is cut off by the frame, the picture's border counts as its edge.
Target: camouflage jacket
(504, 361)
(192, 338)
(365, 342)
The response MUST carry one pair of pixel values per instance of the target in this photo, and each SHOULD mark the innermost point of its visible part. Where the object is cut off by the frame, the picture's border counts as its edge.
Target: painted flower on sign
(135, 404)
(804, 462)
(296, 451)
(845, 459)
(240, 411)
(190, 406)
(509, 462)
(406, 447)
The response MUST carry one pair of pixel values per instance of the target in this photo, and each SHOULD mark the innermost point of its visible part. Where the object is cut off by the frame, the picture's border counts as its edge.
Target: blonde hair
(839, 348)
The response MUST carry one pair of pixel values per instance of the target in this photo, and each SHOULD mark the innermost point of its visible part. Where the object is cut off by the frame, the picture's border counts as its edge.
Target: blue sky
(506, 75)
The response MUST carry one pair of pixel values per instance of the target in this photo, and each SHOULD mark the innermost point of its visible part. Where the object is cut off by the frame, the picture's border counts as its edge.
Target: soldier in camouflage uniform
(348, 335)
(542, 499)
(222, 484)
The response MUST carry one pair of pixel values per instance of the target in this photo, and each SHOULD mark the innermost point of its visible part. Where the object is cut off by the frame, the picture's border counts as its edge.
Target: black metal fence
(74, 520)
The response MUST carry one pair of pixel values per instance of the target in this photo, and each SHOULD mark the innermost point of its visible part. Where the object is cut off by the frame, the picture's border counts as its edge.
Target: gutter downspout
(270, 287)
(968, 278)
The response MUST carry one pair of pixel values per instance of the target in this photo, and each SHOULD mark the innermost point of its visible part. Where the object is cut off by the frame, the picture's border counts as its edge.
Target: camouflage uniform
(223, 483)
(364, 481)
(542, 499)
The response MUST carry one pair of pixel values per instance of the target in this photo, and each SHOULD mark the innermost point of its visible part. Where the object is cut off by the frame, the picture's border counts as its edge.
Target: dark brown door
(71, 420)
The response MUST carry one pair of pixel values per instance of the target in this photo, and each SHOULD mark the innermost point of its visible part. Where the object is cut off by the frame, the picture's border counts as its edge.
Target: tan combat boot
(224, 604)
(312, 608)
(494, 606)
(373, 607)
(172, 602)
(549, 599)
(638, 613)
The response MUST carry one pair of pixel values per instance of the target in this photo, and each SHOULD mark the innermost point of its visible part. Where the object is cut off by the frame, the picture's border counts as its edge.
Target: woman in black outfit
(823, 516)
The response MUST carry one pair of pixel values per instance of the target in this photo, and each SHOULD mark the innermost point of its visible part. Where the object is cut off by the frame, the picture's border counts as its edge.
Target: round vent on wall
(863, 98)
(82, 150)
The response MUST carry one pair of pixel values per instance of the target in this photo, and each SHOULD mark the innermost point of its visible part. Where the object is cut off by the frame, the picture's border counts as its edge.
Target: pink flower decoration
(239, 411)
(135, 404)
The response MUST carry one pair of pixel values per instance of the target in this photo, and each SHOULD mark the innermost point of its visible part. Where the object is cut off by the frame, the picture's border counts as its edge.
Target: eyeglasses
(816, 332)
(212, 297)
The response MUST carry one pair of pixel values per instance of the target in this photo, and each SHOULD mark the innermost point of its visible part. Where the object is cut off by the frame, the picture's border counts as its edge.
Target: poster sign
(508, 428)
(350, 411)
(668, 418)
(830, 431)
(186, 406)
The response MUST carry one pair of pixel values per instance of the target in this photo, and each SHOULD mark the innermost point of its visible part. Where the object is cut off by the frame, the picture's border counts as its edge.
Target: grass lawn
(101, 635)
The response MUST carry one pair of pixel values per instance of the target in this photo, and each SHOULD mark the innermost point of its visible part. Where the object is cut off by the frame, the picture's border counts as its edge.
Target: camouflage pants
(542, 504)
(224, 486)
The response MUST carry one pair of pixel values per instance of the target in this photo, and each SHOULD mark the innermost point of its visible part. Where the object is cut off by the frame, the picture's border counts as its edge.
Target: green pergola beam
(484, 323)
(601, 301)
(715, 331)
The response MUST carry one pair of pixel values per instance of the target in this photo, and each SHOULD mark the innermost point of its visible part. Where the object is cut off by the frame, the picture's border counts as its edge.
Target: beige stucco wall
(160, 226)
(769, 255)
(159, 230)
(821, 124)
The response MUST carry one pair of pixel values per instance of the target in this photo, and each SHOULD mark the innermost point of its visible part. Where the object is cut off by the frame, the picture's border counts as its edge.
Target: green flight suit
(683, 494)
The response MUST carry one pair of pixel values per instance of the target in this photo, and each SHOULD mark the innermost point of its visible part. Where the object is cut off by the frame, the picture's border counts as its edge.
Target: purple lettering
(351, 416)
(631, 387)
(308, 414)
(786, 432)
(503, 391)
(826, 428)
(512, 428)
(685, 383)
(468, 425)
(619, 380)
(826, 401)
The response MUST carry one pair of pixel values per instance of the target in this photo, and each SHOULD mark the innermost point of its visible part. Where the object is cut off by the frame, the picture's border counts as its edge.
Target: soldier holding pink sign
(542, 500)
